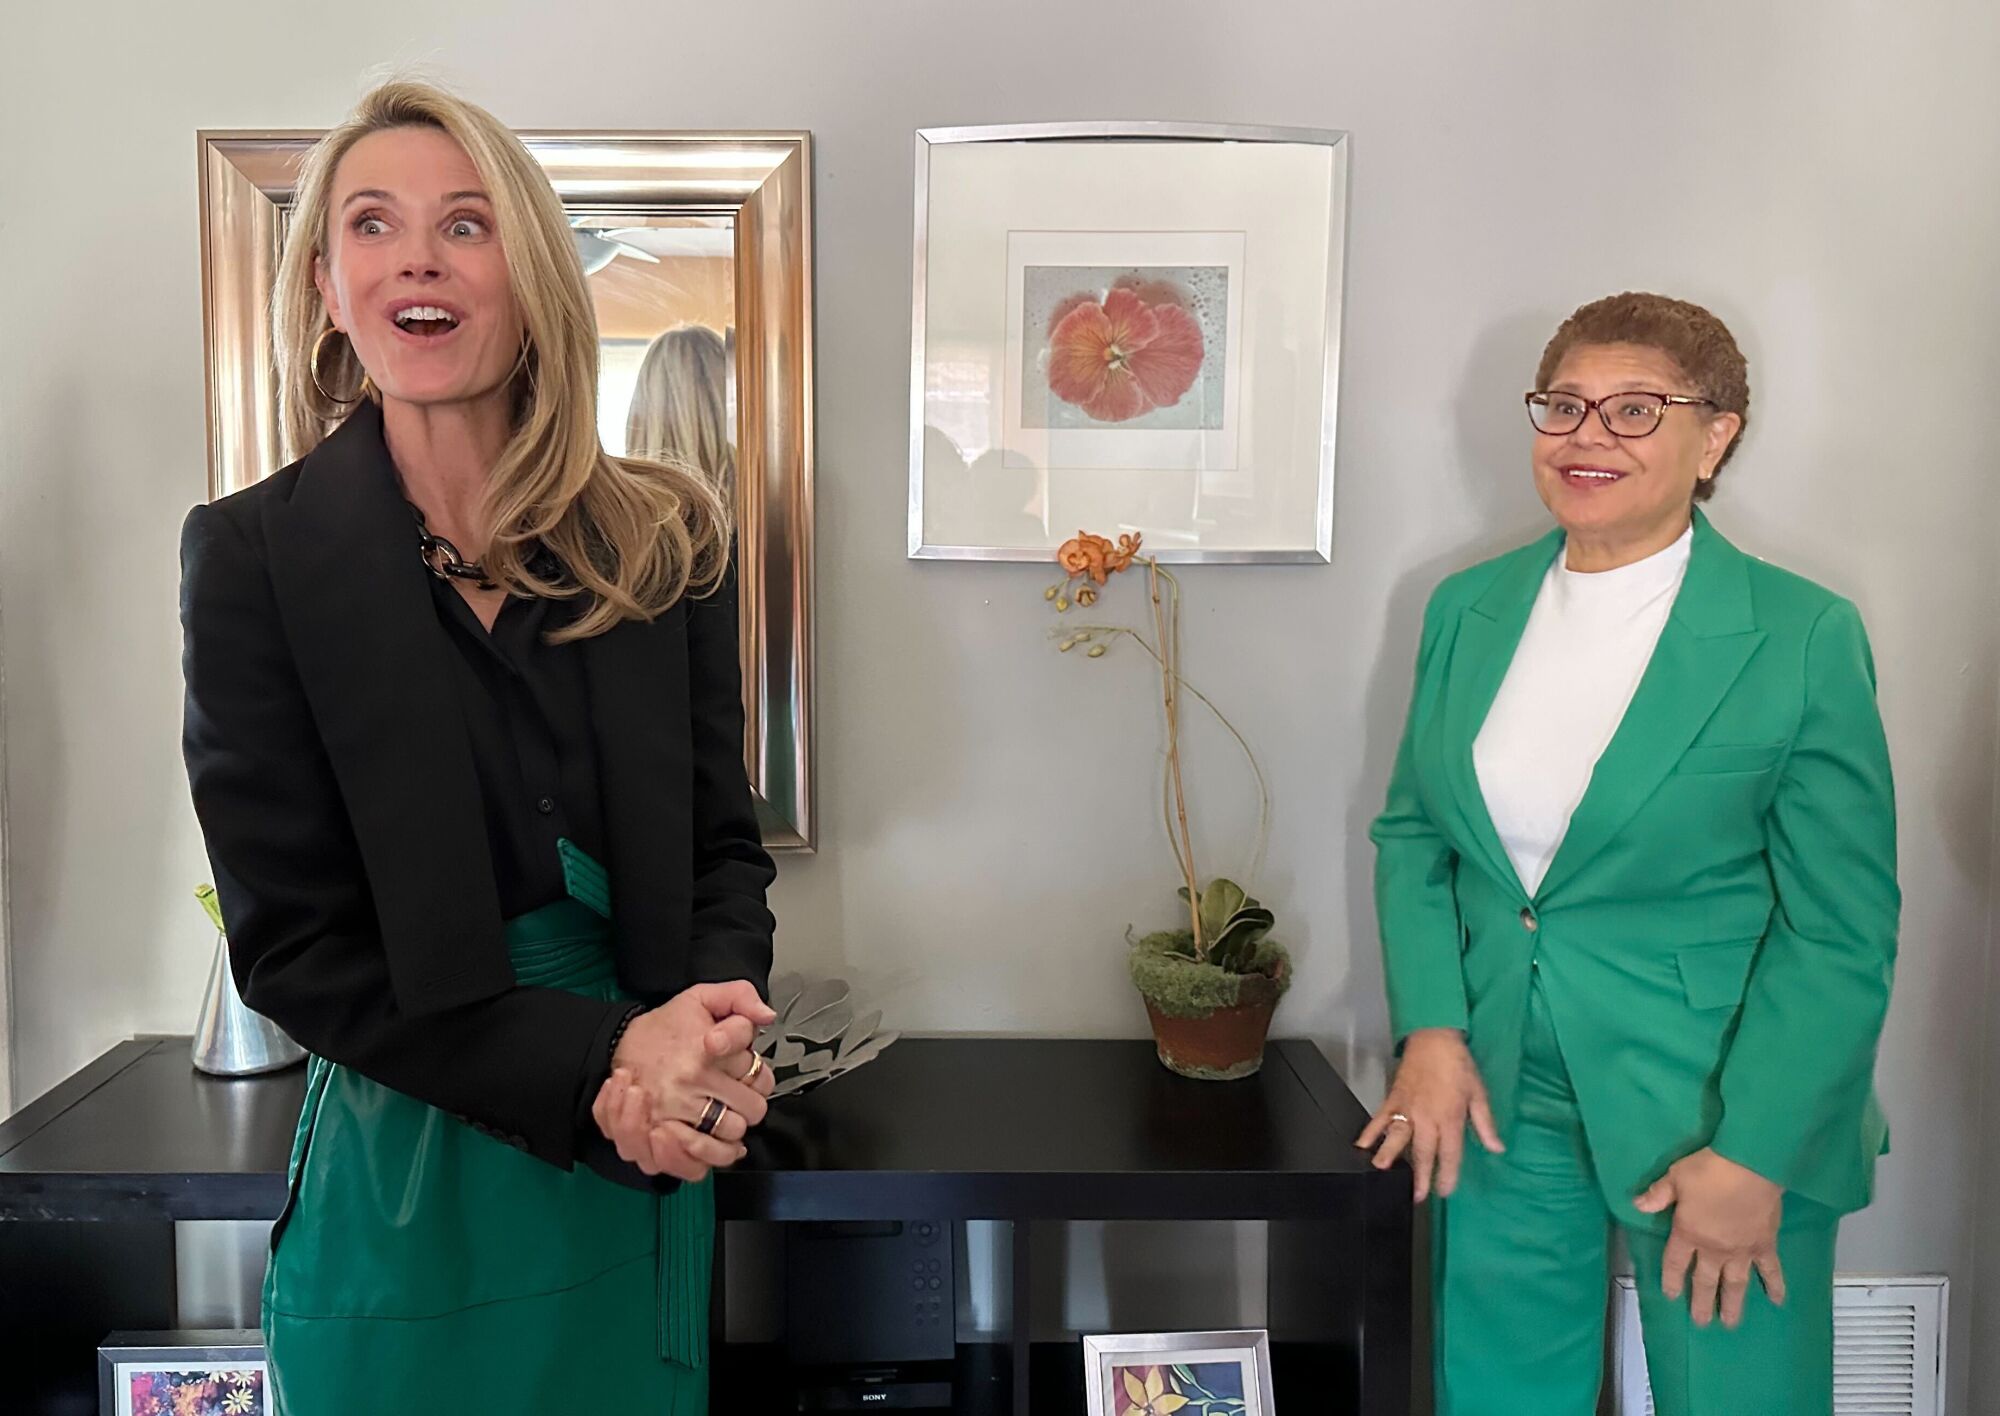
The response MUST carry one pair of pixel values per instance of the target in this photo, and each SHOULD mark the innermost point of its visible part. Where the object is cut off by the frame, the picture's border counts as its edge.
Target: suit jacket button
(1528, 920)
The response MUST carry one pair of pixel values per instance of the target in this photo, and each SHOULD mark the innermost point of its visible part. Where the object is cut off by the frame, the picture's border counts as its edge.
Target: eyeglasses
(1625, 415)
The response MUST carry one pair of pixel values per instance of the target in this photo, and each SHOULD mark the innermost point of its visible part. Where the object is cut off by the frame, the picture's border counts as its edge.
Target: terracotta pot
(1216, 1047)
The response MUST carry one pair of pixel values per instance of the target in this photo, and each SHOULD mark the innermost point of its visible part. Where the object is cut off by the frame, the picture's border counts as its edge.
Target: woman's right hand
(1436, 1094)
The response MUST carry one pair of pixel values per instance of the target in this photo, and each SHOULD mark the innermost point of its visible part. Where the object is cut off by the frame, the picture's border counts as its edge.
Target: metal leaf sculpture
(817, 1036)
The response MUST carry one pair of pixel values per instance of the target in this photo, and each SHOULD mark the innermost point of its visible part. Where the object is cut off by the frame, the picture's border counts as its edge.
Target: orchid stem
(1167, 625)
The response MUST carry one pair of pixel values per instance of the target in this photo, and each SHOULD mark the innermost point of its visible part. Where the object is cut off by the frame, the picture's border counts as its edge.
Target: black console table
(93, 1174)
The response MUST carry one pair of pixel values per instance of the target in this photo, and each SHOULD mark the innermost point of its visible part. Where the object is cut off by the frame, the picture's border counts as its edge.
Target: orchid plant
(1225, 924)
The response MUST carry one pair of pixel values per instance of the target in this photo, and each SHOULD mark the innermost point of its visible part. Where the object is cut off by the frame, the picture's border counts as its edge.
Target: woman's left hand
(665, 1143)
(623, 1112)
(1726, 1224)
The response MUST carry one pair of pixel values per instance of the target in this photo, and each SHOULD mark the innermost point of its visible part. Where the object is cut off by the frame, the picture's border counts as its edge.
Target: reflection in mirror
(664, 288)
(687, 242)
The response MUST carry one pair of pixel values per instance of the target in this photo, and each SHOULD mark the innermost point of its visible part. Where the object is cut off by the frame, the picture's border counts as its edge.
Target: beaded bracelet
(618, 1036)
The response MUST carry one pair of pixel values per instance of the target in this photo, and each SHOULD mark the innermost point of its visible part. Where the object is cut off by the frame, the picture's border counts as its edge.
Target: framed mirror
(697, 249)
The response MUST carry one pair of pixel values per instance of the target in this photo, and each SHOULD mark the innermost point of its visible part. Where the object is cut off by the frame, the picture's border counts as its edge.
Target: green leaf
(206, 894)
(1221, 900)
(1183, 1373)
(1235, 946)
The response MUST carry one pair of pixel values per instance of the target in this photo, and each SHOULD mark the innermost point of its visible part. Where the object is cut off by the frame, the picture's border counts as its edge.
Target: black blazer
(333, 778)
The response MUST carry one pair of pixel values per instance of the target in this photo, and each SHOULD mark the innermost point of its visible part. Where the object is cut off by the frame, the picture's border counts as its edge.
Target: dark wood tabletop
(963, 1128)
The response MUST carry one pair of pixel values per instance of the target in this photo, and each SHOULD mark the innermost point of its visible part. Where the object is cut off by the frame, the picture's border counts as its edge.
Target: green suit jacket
(1717, 932)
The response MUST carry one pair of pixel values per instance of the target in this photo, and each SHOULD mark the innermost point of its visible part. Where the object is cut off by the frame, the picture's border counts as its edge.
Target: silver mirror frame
(763, 182)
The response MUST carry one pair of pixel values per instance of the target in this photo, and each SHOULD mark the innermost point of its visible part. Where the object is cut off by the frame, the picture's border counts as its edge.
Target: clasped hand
(671, 1061)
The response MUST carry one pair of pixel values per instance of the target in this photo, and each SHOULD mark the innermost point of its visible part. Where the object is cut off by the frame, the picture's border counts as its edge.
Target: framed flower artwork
(204, 1373)
(1132, 326)
(1178, 1374)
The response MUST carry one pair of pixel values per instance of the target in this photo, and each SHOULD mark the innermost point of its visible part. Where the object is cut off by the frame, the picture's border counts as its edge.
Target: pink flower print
(1124, 357)
(1062, 309)
(1153, 292)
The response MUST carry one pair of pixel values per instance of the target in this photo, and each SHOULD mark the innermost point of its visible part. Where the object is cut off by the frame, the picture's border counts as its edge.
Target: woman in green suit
(1636, 881)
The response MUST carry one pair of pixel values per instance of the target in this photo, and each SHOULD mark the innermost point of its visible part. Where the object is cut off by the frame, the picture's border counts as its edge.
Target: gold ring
(756, 1066)
(1396, 1116)
(711, 1116)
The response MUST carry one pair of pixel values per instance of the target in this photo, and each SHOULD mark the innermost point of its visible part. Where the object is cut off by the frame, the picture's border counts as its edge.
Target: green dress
(422, 1267)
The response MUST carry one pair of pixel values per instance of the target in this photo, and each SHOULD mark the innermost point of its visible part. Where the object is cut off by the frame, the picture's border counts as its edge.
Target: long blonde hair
(680, 406)
(631, 534)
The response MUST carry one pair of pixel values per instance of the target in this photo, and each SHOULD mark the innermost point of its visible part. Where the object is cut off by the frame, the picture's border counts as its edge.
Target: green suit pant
(1522, 1265)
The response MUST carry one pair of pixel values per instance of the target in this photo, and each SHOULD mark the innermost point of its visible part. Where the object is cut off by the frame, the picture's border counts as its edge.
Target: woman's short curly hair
(1699, 343)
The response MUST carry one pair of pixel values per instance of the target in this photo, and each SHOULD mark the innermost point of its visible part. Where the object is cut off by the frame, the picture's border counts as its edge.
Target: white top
(1587, 644)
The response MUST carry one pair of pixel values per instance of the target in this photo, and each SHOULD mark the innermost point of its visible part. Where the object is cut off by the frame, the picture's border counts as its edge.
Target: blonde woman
(464, 733)
(680, 407)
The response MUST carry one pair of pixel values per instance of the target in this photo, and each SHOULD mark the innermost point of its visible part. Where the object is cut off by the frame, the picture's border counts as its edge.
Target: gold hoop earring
(312, 368)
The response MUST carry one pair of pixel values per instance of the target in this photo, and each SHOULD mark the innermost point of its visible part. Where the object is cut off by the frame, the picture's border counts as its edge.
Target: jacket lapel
(637, 677)
(1708, 638)
(371, 656)
(1489, 631)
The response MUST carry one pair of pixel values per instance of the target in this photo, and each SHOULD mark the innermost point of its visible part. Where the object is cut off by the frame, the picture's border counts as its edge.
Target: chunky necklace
(441, 557)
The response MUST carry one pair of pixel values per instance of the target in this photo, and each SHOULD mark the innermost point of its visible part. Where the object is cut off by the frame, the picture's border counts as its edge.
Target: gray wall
(1822, 174)
(1985, 1353)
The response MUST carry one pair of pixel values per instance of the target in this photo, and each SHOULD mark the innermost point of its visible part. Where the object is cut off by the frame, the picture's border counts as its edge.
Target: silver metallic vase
(232, 1041)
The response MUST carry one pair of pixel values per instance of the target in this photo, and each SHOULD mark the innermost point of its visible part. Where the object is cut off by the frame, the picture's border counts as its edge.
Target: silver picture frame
(1312, 541)
(760, 184)
(1248, 1351)
(235, 1356)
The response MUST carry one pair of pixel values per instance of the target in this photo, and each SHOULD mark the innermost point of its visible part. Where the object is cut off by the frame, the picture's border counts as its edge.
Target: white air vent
(1888, 1347)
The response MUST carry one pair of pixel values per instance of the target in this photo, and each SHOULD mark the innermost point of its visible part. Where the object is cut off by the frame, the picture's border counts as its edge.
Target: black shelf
(1308, 1377)
(948, 1129)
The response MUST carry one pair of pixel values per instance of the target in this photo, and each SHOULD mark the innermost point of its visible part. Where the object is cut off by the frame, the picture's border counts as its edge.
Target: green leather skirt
(421, 1267)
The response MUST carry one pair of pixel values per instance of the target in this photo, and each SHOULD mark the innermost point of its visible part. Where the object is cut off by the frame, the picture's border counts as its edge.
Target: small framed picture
(211, 1372)
(1179, 1374)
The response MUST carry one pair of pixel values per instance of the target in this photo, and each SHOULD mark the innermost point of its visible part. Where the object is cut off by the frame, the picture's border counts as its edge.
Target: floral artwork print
(1121, 356)
(196, 1393)
(1182, 1389)
(1137, 347)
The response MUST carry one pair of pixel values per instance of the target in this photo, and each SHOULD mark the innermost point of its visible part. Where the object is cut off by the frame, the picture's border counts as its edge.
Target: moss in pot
(1210, 989)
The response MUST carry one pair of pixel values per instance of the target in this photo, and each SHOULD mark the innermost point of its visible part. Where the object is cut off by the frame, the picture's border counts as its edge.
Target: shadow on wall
(1492, 477)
